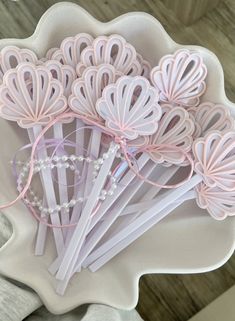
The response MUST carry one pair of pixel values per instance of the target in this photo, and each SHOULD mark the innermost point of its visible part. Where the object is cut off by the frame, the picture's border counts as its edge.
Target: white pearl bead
(80, 158)
(58, 208)
(65, 205)
(64, 158)
(72, 157)
(103, 192)
(89, 160)
(110, 192)
(72, 167)
(72, 202)
(96, 167)
(105, 156)
(50, 210)
(80, 199)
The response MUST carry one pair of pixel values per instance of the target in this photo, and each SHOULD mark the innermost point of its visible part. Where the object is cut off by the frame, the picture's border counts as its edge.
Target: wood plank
(222, 308)
(190, 11)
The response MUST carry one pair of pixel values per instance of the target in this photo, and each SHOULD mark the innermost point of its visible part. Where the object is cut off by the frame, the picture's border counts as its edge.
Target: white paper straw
(105, 206)
(170, 197)
(41, 233)
(122, 185)
(78, 188)
(86, 212)
(162, 178)
(62, 179)
(49, 192)
(145, 205)
(119, 205)
(113, 240)
(132, 237)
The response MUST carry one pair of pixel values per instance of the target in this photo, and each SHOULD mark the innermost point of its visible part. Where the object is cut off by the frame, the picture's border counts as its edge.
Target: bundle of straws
(115, 145)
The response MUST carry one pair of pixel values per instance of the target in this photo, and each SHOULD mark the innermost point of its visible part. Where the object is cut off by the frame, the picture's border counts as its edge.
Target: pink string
(117, 139)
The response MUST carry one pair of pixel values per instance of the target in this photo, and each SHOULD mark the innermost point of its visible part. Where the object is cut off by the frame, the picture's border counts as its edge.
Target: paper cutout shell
(180, 78)
(215, 158)
(216, 201)
(112, 50)
(210, 116)
(64, 73)
(29, 95)
(88, 89)
(175, 129)
(126, 114)
(11, 56)
(70, 49)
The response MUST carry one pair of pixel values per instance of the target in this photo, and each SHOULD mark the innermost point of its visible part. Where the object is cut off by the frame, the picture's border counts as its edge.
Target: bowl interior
(173, 246)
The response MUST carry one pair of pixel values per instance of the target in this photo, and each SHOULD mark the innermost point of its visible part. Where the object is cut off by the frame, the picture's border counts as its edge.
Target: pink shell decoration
(197, 128)
(180, 78)
(70, 49)
(11, 56)
(87, 89)
(212, 116)
(175, 128)
(64, 73)
(145, 67)
(50, 53)
(29, 95)
(129, 115)
(215, 158)
(112, 50)
(219, 203)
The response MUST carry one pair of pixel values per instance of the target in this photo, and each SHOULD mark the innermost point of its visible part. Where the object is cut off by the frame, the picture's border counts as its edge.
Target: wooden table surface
(162, 297)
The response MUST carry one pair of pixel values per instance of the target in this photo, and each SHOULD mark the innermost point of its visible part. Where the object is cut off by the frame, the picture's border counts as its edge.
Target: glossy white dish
(189, 241)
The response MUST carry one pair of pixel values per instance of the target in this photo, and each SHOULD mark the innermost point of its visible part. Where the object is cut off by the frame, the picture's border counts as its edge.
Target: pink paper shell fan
(175, 129)
(66, 76)
(145, 66)
(29, 95)
(88, 89)
(218, 202)
(11, 56)
(70, 49)
(210, 116)
(214, 159)
(126, 114)
(180, 78)
(112, 50)
(64, 73)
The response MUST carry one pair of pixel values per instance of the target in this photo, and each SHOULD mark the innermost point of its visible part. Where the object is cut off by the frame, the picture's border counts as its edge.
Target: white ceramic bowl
(189, 241)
